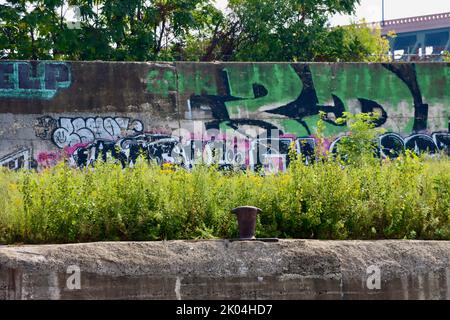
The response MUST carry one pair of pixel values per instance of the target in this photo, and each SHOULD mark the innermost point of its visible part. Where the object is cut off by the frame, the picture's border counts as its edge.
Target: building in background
(418, 38)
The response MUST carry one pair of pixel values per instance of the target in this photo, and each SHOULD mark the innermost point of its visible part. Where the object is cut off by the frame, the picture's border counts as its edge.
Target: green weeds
(404, 198)
(352, 196)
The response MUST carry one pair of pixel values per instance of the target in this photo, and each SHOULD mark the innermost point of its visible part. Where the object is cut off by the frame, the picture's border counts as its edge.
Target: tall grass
(405, 198)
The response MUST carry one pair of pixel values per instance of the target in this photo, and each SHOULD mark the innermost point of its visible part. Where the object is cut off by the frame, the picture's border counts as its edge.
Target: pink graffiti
(322, 145)
(48, 159)
(71, 150)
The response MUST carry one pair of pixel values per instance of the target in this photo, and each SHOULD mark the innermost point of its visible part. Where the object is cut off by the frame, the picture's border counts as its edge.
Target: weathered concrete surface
(94, 87)
(288, 269)
(48, 107)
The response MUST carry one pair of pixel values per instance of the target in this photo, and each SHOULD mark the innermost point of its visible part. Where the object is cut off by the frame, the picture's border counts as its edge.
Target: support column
(420, 43)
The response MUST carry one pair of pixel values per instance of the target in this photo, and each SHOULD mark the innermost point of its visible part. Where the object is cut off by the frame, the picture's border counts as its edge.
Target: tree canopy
(143, 30)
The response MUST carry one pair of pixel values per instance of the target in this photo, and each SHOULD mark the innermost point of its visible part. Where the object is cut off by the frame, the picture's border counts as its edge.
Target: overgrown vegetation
(332, 198)
(185, 30)
(405, 198)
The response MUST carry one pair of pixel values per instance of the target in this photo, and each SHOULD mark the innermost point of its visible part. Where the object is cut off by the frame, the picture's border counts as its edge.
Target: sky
(394, 9)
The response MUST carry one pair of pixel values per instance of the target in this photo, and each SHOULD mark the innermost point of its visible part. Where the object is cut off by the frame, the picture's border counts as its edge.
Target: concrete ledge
(288, 269)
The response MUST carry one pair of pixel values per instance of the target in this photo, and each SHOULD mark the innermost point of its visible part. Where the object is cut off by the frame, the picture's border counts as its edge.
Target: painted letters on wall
(248, 99)
(20, 159)
(40, 80)
(67, 132)
(410, 98)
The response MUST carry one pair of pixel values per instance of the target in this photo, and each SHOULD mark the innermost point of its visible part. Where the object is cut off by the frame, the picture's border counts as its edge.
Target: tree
(29, 29)
(109, 29)
(446, 56)
(357, 42)
(277, 30)
(143, 30)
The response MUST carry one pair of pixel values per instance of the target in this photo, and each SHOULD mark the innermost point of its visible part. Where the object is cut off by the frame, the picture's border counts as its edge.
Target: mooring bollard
(246, 217)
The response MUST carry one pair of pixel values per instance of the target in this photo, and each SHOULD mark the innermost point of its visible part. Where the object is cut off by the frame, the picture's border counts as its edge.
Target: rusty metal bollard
(246, 217)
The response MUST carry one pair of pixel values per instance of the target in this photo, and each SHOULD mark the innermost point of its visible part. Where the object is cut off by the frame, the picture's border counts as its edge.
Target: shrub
(404, 198)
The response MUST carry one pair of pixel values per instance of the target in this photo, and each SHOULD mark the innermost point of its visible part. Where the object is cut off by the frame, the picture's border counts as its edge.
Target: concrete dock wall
(220, 269)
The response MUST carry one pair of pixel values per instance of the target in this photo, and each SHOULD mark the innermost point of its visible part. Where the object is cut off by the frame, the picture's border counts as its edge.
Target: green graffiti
(280, 80)
(198, 82)
(409, 97)
(293, 127)
(373, 82)
(20, 80)
(352, 81)
(161, 82)
(434, 82)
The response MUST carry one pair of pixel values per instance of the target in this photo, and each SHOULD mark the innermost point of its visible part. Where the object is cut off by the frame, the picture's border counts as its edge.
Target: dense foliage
(405, 198)
(355, 195)
(249, 30)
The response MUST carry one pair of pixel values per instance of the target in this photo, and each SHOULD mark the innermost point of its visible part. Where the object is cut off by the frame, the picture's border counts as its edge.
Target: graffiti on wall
(270, 154)
(162, 149)
(279, 103)
(67, 132)
(159, 148)
(162, 82)
(267, 153)
(391, 144)
(409, 98)
(20, 159)
(40, 80)
(49, 159)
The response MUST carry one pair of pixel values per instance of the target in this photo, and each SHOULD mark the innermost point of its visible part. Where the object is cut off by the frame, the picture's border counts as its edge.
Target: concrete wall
(50, 109)
(288, 269)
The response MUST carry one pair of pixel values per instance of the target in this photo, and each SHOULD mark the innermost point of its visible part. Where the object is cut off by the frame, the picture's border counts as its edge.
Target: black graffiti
(98, 150)
(153, 147)
(392, 144)
(6, 76)
(306, 147)
(370, 106)
(20, 159)
(55, 74)
(268, 153)
(306, 105)
(217, 103)
(44, 127)
(421, 143)
(407, 73)
(442, 141)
